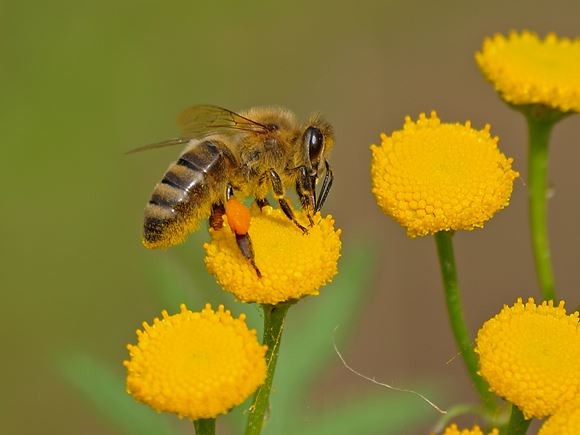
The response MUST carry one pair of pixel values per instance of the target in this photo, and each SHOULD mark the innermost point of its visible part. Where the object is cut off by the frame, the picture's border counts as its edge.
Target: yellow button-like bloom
(195, 364)
(527, 70)
(566, 421)
(475, 430)
(432, 176)
(292, 264)
(530, 355)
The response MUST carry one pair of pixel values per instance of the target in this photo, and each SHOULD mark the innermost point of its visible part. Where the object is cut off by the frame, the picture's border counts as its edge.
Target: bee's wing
(204, 120)
(163, 144)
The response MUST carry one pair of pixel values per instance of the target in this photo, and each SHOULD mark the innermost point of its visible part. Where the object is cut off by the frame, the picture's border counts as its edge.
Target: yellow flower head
(195, 364)
(432, 176)
(527, 70)
(292, 264)
(530, 355)
(566, 421)
(476, 430)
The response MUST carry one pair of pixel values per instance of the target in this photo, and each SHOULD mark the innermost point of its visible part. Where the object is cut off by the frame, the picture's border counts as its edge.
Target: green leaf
(105, 390)
(385, 413)
(175, 286)
(179, 281)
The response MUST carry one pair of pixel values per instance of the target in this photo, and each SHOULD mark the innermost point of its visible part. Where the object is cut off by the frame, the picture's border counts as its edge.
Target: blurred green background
(83, 82)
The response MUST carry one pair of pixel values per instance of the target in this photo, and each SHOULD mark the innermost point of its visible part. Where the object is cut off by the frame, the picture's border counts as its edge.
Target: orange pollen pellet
(238, 216)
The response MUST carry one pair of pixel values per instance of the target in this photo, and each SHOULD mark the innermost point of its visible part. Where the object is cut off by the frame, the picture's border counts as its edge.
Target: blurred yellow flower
(293, 264)
(527, 70)
(530, 355)
(195, 364)
(475, 430)
(566, 421)
(433, 176)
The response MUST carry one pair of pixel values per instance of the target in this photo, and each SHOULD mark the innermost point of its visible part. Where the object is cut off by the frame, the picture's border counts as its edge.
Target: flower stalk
(204, 426)
(444, 243)
(274, 317)
(540, 121)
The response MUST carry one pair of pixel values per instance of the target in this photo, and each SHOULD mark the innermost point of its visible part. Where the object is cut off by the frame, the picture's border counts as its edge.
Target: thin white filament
(374, 381)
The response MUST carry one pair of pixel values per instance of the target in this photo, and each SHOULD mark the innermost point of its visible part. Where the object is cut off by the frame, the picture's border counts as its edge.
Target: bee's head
(317, 141)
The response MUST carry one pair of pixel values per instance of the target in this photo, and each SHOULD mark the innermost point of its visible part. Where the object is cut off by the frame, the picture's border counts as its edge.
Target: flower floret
(453, 429)
(433, 176)
(566, 420)
(195, 364)
(528, 70)
(530, 355)
(292, 264)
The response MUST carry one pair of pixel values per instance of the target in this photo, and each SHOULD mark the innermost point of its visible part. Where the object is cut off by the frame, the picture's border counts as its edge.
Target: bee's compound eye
(315, 140)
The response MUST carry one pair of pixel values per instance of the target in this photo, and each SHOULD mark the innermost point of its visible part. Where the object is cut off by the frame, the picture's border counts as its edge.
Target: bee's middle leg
(262, 202)
(278, 189)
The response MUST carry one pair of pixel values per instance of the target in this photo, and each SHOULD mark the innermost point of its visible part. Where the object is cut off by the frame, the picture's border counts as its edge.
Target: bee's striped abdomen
(183, 197)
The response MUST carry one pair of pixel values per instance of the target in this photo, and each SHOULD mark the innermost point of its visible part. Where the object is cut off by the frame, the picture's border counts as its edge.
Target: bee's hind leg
(239, 222)
(216, 218)
(245, 245)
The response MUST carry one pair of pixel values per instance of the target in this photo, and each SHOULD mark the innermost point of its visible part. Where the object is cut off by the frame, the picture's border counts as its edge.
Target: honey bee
(250, 154)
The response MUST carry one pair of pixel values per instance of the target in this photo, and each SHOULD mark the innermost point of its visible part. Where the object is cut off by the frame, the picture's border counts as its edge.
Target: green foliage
(307, 349)
(104, 390)
(383, 413)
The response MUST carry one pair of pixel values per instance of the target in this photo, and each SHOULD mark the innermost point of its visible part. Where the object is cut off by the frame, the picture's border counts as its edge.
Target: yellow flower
(195, 364)
(527, 70)
(566, 421)
(476, 430)
(433, 176)
(292, 264)
(530, 355)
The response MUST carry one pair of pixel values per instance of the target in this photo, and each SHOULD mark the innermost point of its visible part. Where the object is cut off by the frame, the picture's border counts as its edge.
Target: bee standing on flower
(251, 153)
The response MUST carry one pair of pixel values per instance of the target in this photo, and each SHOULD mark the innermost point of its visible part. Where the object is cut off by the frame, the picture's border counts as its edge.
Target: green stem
(204, 426)
(454, 310)
(539, 130)
(274, 316)
(517, 425)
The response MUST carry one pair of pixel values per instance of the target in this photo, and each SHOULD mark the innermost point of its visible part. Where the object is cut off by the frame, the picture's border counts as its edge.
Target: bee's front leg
(326, 185)
(306, 191)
